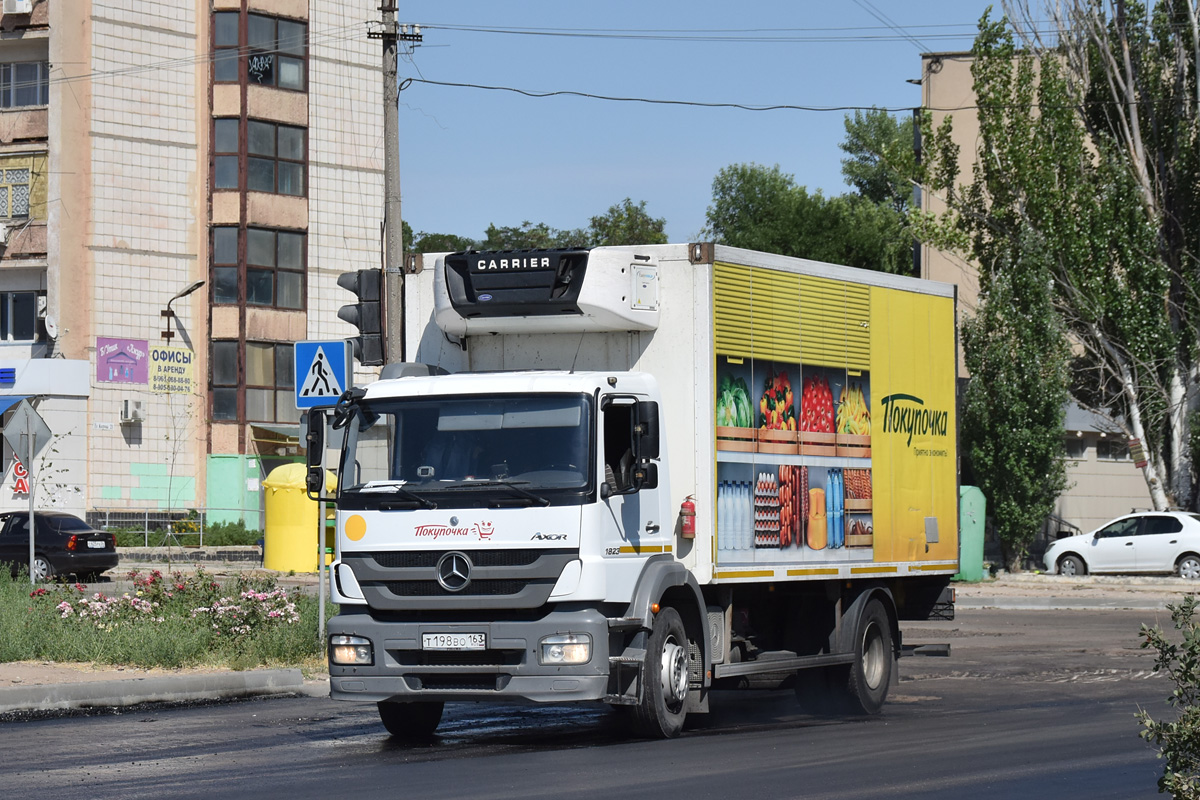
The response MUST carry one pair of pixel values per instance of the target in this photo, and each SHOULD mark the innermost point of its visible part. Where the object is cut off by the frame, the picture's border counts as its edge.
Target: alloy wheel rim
(674, 679)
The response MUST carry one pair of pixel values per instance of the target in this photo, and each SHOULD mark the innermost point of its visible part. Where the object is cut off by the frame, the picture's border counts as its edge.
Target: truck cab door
(635, 505)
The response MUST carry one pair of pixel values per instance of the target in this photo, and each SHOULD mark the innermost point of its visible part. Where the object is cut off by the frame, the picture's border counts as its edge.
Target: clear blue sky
(470, 157)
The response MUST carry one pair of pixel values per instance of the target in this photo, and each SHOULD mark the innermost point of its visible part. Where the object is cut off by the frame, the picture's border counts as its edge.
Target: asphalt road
(1031, 704)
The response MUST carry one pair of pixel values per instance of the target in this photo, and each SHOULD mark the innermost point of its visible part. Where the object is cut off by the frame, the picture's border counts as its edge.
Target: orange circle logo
(356, 528)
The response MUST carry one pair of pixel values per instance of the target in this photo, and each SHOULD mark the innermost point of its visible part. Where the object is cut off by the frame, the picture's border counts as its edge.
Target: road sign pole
(321, 565)
(32, 488)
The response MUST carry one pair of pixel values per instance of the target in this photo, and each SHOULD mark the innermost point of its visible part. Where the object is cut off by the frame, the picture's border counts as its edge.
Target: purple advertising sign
(121, 360)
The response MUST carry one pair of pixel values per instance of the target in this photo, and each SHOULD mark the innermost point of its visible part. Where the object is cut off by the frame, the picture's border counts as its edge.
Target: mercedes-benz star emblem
(454, 571)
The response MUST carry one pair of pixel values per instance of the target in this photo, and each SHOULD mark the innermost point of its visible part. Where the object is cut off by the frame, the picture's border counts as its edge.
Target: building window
(18, 316)
(1076, 448)
(225, 380)
(14, 193)
(277, 49)
(225, 46)
(23, 85)
(270, 383)
(274, 268)
(225, 264)
(225, 153)
(276, 162)
(1110, 449)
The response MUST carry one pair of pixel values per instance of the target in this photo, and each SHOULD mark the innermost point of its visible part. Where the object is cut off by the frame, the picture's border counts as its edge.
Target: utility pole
(393, 253)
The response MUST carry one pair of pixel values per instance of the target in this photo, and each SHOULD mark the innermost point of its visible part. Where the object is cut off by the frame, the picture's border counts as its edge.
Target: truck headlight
(351, 650)
(565, 648)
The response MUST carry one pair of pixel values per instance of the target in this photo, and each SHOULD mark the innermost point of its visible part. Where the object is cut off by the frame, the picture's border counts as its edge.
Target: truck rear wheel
(871, 673)
(410, 720)
(660, 713)
(861, 686)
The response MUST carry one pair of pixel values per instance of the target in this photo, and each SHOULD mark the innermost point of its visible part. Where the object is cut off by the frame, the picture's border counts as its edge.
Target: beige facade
(121, 202)
(1103, 480)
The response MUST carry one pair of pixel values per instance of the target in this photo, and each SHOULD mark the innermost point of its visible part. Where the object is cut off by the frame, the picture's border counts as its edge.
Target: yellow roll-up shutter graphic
(835, 323)
(781, 316)
(756, 313)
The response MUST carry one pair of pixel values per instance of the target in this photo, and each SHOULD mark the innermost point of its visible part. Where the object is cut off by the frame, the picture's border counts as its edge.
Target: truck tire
(660, 713)
(410, 720)
(871, 673)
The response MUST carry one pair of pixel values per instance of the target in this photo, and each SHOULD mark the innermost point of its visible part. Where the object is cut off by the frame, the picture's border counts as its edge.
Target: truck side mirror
(645, 430)
(645, 476)
(314, 439)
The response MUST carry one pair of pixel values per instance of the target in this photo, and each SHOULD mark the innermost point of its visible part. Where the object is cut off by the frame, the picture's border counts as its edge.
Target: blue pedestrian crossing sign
(322, 372)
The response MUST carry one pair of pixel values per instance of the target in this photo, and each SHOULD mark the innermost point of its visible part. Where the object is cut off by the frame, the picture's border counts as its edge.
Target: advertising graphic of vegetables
(775, 406)
(853, 416)
(816, 405)
(733, 404)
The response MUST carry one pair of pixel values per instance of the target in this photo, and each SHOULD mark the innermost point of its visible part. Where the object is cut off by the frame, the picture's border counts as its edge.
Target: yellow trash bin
(290, 538)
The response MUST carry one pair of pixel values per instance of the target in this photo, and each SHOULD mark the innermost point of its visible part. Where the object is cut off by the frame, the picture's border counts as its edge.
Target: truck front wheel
(660, 713)
(410, 720)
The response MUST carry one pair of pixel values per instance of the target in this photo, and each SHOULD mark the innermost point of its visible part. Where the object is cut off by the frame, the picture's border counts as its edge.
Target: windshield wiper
(407, 494)
(537, 498)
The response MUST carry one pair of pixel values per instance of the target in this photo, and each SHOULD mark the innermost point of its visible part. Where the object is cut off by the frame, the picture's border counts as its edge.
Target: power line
(737, 106)
(886, 20)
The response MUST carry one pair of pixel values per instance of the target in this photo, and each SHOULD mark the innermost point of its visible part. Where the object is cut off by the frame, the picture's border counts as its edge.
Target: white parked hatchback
(1147, 541)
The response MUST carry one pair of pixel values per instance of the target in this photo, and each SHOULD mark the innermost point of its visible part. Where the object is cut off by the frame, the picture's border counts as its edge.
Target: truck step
(620, 700)
(624, 623)
(936, 650)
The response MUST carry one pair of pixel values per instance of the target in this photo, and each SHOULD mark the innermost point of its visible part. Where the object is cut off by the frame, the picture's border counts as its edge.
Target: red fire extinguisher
(687, 512)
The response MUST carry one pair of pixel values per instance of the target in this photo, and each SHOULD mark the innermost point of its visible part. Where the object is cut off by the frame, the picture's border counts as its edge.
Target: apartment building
(1103, 481)
(181, 183)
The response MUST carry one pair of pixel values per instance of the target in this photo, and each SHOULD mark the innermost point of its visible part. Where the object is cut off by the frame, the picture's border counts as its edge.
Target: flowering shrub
(252, 610)
(259, 604)
(165, 619)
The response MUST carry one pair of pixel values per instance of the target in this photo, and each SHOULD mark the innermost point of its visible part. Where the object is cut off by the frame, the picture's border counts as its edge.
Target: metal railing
(169, 527)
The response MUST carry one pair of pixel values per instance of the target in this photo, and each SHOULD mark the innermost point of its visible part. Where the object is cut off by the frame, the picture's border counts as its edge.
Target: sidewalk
(48, 687)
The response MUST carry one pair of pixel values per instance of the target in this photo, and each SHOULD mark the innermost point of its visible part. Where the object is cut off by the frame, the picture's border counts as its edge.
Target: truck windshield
(520, 447)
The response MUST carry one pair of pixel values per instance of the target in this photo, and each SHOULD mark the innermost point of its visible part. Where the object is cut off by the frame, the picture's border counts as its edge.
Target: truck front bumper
(507, 669)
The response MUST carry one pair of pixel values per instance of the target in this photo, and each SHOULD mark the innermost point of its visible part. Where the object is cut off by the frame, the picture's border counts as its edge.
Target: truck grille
(408, 581)
(474, 588)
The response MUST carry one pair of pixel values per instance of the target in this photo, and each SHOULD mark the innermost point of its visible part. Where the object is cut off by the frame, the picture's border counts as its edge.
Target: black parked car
(63, 544)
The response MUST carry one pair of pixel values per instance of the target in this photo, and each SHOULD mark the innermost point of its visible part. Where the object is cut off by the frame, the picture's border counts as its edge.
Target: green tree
(627, 223)
(1177, 739)
(442, 243)
(762, 208)
(881, 159)
(1090, 145)
(1016, 352)
(528, 236)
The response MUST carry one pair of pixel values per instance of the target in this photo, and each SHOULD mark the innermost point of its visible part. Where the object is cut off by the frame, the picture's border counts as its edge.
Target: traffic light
(365, 315)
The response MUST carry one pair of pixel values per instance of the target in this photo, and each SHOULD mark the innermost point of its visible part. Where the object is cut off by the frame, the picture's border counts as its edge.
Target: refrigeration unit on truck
(629, 475)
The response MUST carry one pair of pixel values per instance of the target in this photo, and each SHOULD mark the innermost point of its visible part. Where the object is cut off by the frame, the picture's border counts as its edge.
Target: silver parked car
(1147, 541)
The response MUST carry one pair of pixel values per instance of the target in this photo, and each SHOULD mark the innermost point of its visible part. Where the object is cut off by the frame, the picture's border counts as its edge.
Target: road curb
(1060, 603)
(165, 689)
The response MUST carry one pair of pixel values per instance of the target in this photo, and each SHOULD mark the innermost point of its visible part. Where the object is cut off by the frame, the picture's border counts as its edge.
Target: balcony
(24, 125)
(26, 241)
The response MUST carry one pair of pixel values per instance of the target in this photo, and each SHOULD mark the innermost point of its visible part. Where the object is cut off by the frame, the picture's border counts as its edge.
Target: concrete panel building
(147, 146)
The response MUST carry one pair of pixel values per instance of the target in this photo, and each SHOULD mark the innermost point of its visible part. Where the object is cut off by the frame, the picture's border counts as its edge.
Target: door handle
(1129, 544)
(1174, 541)
(651, 527)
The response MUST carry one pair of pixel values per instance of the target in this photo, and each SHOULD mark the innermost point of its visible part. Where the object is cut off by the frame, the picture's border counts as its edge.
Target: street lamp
(169, 314)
